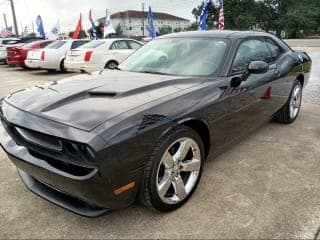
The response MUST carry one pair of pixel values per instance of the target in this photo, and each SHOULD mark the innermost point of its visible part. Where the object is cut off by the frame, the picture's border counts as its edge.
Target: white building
(132, 22)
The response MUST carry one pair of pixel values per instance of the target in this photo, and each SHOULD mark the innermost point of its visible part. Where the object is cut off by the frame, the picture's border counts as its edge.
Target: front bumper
(89, 194)
(59, 198)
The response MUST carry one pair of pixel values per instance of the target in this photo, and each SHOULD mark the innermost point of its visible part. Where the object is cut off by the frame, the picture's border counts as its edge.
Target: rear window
(93, 44)
(10, 42)
(29, 45)
(77, 44)
(43, 45)
(56, 45)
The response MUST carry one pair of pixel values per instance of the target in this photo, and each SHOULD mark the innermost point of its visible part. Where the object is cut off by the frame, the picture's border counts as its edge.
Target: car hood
(86, 101)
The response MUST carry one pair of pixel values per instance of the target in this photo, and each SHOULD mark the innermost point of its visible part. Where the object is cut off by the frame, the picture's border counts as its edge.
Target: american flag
(221, 16)
(6, 32)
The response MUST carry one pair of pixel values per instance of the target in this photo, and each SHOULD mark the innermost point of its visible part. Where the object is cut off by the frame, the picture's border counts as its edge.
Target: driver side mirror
(258, 67)
(255, 67)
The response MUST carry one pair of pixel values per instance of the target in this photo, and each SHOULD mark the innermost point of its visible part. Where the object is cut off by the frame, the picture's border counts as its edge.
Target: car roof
(115, 39)
(217, 34)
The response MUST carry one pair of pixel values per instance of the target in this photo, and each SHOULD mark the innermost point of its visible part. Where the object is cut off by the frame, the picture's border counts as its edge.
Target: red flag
(76, 33)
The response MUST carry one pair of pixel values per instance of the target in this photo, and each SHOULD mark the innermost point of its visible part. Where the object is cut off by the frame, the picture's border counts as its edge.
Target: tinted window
(56, 44)
(134, 45)
(29, 45)
(43, 45)
(248, 51)
(275, 50)
(178, 56)
(119, 45)
(10, 42)
(77, 44)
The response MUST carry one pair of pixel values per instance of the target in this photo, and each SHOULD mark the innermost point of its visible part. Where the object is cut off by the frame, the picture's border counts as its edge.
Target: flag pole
(14, 18)
(5, 20)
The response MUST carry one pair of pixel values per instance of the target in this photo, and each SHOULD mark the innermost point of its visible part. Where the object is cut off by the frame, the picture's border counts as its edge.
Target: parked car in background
(100, 54)
(13, 42)
(16, 55)
(52, 57)
(4, 43)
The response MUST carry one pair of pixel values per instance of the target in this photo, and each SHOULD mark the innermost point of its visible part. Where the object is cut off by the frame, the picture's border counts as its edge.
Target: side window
(275, 50)
(134, 45)
(248, 51)
(119, 45)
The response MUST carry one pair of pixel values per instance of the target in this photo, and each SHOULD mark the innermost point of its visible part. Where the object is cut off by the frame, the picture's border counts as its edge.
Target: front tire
(289, 113)
(173, 170)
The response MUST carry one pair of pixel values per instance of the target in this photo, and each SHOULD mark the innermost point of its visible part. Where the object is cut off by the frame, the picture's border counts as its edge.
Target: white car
(4, 43)
(52, 57)
(100, 54)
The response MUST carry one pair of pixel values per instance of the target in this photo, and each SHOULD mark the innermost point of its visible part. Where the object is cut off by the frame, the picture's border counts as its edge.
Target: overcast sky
(67, 11)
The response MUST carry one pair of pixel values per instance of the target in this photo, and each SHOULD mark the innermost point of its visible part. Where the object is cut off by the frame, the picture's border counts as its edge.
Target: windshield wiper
(155, 72)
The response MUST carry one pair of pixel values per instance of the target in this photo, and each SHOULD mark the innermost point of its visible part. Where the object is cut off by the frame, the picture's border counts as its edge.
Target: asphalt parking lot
(267, 186)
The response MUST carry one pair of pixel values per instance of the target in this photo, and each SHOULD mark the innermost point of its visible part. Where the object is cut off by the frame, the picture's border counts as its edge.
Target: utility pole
(142, 19)
(5, 20)
(14, 17)
(32, 27)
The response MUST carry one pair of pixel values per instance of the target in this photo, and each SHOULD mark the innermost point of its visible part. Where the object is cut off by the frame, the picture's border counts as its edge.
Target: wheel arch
(300, 78)
(109, 61)
(202, 128)
(60, 63)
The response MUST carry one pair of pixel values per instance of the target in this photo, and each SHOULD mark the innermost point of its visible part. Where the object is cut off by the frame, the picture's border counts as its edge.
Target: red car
(17, 54)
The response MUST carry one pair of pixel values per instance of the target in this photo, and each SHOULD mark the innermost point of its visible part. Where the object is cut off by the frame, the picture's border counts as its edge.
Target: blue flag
(40, 27)
(150, 27)
(94, 30)
(203, 16)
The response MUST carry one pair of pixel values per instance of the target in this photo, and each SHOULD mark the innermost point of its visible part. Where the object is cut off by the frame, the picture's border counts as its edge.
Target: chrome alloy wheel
(178, 171)
(295, 101)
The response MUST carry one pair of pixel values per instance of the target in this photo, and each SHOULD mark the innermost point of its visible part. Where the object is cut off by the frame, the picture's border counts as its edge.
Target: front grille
(39, 139)
(70, 157)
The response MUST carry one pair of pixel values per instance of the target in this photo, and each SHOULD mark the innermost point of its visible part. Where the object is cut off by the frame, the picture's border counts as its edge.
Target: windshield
(92, 44)
(178, 56)
(56, 45)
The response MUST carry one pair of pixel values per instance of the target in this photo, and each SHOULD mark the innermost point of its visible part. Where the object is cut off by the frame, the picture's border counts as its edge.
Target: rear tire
(173, 170)
(62, 68)
(289, 112)
(111, 65)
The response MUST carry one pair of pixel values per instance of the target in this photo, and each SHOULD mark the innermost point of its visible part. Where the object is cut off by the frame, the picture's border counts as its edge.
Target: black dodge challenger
(95, 143)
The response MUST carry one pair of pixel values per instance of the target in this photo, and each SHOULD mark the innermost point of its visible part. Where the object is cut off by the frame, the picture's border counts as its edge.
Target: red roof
(142, 15)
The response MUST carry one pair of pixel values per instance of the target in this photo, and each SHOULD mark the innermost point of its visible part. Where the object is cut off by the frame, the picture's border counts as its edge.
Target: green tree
(82, 34)
(193, 26)
(119, 31)
(165, 30)
(295, 17)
